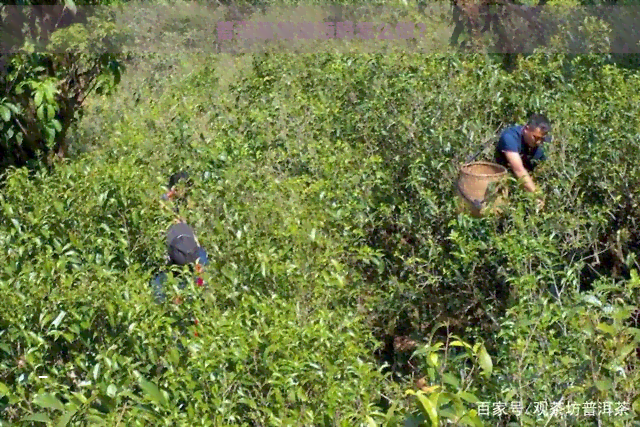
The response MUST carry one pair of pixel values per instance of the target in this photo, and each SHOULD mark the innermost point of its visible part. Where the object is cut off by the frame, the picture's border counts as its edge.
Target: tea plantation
(343, 287)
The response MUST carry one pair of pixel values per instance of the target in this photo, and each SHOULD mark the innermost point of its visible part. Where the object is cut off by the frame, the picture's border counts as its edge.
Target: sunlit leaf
(485, 360)
(47, 400)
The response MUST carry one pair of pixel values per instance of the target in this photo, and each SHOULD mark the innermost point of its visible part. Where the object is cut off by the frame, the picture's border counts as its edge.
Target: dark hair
(176, 177)
(539, 121)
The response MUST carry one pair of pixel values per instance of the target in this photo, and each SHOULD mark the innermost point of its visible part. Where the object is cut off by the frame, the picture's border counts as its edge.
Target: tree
(54, 55)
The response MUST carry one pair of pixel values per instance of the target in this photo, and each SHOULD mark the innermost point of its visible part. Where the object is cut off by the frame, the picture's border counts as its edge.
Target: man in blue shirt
(520, 148)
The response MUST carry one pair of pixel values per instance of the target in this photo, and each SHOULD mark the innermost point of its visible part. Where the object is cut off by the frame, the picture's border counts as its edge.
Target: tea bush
(323, 193)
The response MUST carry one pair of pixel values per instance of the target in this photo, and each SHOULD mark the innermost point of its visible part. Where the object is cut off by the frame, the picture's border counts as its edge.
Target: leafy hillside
(341, 274)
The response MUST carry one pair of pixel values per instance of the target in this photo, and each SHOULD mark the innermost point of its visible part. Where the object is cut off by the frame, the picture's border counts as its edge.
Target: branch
(87, 93)
(20, 125)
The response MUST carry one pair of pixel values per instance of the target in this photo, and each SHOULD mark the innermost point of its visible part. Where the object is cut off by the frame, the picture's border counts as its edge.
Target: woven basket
(473, 181)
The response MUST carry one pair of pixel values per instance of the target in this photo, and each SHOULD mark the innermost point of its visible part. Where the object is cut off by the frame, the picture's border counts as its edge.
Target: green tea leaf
(5, 113)
(112, 390)
(4, 390)
(38, 98)
(474, 419)
(47, 400)
(39, 417)
(450, 379)
(469, 397)
(152, 391)
(428, 408)
(459, 344)
(606, 328)
(58, 319)
(603, 385)
(485, 360)
(64, 420)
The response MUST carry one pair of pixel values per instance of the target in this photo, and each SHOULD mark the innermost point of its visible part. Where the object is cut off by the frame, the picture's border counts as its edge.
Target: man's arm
(519, 170)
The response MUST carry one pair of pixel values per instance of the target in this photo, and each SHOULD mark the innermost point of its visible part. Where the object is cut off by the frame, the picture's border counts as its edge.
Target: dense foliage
(52, 59)
(342, 274)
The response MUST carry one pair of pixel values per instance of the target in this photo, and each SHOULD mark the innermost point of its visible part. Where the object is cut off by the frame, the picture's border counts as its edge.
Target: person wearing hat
(520, 148)
(183, 249)
(183, 245)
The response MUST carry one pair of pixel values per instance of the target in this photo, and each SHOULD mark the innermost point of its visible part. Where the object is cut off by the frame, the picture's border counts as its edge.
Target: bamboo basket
(481, 188)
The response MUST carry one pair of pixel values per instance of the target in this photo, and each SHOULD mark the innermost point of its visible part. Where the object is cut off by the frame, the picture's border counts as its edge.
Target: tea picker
(520, 148)
(174, 180)
(178, 189)
(183, 249)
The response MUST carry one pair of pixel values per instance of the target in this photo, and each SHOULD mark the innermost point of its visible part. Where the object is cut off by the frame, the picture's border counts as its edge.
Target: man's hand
(518, 169)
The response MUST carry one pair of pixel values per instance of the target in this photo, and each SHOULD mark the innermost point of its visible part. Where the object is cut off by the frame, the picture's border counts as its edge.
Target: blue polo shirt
(158, 282)
(512, 140)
